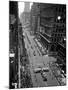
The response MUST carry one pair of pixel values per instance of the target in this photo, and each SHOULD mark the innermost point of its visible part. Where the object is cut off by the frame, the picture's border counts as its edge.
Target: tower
(27, 7)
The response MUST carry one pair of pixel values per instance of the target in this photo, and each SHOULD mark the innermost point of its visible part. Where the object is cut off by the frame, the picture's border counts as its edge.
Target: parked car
(37, 70)
(44, 76)
(46, 69)
(34, 53)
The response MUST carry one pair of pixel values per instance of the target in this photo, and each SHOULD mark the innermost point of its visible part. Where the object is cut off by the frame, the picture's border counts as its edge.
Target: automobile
(34, 53)
(44, 52)
(64, 80)
(46, 69)
(31, 47)
(37, 70)
(44, 76)
(62, 71)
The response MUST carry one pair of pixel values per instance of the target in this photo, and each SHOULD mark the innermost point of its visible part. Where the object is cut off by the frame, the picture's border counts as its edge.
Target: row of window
(58, 34)
(59, 26)
(59, 30)
(61, 9)
(56, 39)
(62, 20)
(56, 28)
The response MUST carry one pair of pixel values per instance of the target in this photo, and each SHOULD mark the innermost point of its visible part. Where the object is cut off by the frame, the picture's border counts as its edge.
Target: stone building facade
(48, 22)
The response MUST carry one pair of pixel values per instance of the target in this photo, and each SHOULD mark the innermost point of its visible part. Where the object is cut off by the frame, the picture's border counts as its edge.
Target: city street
(37, 44)
(36, 59)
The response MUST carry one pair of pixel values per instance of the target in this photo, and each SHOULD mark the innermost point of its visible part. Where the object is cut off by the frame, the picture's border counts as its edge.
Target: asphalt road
(37, 59)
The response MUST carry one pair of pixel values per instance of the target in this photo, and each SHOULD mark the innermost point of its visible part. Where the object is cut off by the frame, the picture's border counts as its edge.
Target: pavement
(37, 59)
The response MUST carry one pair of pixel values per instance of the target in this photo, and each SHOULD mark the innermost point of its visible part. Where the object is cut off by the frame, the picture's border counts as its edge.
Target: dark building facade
(13, 43)
(48, 22)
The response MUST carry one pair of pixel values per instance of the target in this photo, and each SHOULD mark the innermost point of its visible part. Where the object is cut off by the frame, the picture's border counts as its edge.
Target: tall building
(25, 16)
(13, 43)
(27, 7)
(34, 14)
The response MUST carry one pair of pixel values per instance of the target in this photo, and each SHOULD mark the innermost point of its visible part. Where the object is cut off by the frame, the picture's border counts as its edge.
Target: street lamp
(59, 17)
(64, 39)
